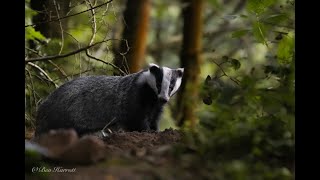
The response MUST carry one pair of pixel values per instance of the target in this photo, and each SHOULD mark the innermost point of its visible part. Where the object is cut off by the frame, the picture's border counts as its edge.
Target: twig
(44, 73)
(59, 69)
(225, 74)
(103, 130)
(64, 55)
(126, 66)
(94, 31)
(33, 91)
(75, 52)
(69, 15)
(35, 52)
(71, 7)
(94, 28)
(108, 124)
(67, 77)
(125, 63)
(72, 37)
(94, 24)
(105, 62)
(60, 24)
(79, 53)
(54, 64)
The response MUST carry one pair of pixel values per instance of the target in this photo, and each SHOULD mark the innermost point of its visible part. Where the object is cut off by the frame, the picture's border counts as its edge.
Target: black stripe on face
(174, 76)
(158, 74)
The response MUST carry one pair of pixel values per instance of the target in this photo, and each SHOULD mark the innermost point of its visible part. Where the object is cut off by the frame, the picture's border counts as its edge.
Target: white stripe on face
(165, 84)
(176, 86)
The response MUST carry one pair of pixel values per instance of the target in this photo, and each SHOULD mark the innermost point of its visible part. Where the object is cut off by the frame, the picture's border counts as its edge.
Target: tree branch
(60, 24)
(43, 72)
(94, 24)
(225, 74)
(32, 89)
(63, 55)
(33, 51)
(105, 62)
(70, 15)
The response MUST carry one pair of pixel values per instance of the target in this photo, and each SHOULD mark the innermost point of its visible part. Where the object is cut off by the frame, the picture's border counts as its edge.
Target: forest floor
(131, 155)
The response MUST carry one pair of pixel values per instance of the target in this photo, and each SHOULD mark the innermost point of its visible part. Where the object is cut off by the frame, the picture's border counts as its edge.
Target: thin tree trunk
(191, 61)
(136, 16)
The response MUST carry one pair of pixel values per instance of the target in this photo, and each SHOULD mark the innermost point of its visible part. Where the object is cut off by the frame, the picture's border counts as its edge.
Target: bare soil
(128, 155)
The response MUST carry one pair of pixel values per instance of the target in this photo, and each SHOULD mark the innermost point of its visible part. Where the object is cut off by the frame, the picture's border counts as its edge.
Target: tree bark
(136, 16)
(191, 61)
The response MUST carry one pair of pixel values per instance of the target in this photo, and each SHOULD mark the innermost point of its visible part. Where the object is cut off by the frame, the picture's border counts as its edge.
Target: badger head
(164, 81)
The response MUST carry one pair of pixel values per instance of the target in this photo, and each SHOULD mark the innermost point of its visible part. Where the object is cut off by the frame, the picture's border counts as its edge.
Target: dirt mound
(127, 155)
(127, 141)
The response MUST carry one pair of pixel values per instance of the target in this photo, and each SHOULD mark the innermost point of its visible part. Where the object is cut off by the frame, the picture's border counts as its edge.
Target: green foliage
(259, 6)
(239, 33)
(29, 13)
(235, 64)
(31, 34)
(215, 3)
(247, 121)
(77, 33)
(259, 32)
(286, 49)
(275, 18)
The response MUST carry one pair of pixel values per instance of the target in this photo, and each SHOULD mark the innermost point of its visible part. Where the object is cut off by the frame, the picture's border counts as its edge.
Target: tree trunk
(136, 16)
(47, 11)
(191, 61)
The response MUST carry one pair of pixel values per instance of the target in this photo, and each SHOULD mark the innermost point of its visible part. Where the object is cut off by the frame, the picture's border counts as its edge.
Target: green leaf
(259, 32)
(32, 34)
(239, 33)
(243, 16)
(29, 13)
(235, 64)
(225, 58)
(275, 18)
(259, 6)
(286, 49)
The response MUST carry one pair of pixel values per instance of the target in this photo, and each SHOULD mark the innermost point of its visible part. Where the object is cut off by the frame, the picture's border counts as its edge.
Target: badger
(86, 104)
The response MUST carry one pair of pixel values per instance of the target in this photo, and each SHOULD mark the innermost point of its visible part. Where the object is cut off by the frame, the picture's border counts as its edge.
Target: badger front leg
(154, 121)
(154, 125)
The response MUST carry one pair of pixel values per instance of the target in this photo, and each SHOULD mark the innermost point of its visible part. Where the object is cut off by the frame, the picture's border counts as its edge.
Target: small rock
(57, 141)
(89, 149)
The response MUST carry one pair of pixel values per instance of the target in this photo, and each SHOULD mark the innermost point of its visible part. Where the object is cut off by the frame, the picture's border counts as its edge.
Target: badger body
(87, 104)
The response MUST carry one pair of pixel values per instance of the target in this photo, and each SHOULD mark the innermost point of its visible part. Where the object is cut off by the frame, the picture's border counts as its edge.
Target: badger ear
(153, 68)
(180, 71)
(152, 64)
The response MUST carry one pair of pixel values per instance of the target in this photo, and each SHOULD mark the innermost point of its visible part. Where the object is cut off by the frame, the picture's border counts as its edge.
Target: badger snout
(163, 99)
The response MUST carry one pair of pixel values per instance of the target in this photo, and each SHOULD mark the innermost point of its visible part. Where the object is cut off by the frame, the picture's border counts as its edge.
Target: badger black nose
(163, 100)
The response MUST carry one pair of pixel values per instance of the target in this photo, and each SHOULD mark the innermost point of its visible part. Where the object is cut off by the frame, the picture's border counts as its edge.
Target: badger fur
(87, 104)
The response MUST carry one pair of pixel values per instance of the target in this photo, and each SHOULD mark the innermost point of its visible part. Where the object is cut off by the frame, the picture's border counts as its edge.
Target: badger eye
(171, 85)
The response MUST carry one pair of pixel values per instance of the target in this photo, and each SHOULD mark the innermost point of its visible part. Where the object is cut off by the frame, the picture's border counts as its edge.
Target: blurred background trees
(238, 91)
(136, 17)
(190, 59)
